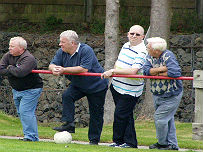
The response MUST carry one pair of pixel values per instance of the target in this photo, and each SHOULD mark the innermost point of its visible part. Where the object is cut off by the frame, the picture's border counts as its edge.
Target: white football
(62, 137)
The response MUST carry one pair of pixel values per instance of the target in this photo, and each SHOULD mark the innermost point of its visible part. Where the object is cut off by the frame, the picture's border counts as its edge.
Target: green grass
(11, 126)
(8, 145)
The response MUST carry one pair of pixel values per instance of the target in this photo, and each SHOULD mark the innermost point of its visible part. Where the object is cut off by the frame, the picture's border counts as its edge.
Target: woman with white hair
(167, 93)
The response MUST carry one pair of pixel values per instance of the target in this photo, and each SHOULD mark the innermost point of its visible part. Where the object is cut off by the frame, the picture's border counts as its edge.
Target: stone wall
(43, 47)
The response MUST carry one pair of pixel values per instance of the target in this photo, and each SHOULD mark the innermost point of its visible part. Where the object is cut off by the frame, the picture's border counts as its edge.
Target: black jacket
(18, 69)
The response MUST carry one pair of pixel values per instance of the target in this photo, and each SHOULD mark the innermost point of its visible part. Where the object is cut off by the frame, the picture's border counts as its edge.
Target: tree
(111, 49)
(160, 21)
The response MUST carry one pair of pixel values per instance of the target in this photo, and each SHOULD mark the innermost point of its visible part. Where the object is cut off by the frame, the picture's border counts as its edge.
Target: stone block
(198, 79)
(197, 131)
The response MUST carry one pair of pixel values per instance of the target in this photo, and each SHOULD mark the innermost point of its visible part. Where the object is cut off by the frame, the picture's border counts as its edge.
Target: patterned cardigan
(164, 87)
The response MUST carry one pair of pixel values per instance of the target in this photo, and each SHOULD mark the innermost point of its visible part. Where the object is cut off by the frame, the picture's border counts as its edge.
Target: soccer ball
(62, 137)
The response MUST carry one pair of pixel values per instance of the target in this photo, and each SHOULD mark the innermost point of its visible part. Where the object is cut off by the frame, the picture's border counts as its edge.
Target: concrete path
(86, 143)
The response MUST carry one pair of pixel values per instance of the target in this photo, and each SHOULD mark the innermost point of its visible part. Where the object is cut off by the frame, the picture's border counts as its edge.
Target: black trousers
(96, 108)
(123, 125)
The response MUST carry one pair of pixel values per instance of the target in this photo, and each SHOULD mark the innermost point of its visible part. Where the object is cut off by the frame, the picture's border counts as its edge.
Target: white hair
(21, 41)
(157, 43)
(70, 35)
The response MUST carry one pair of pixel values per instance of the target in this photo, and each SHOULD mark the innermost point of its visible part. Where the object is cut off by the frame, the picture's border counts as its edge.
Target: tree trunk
(160, 22)
(111, 49)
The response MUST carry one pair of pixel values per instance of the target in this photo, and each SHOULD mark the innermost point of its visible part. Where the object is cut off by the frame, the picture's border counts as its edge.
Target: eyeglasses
(137, 34)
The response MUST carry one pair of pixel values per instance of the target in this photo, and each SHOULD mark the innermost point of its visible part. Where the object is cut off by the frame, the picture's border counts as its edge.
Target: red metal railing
(120, 75)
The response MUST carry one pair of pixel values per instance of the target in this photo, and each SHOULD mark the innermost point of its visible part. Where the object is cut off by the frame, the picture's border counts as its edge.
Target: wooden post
(197, 126)
(199, 8)
(88, 10)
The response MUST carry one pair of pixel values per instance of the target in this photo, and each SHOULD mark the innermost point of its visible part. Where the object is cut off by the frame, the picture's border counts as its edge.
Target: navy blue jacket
(85, 57)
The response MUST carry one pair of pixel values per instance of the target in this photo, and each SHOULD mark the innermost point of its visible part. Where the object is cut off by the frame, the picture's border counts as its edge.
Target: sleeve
(87, 57)
(147, 66)
(4, 63)
(173, 67)
(23, 67)
(57, 59)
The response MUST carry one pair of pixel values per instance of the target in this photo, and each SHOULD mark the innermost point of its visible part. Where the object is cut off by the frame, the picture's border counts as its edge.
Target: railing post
(197, 126)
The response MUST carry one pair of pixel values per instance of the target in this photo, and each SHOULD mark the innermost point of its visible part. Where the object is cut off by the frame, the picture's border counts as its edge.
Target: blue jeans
(26, 103)
(165, 109)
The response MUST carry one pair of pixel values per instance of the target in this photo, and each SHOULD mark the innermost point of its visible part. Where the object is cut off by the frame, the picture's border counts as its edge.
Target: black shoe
(69, 127)
(93, 143)
(157, 146)
(25, 139)
(170, 147)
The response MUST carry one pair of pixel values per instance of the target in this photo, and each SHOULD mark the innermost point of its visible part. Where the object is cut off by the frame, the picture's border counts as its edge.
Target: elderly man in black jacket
(17, 65)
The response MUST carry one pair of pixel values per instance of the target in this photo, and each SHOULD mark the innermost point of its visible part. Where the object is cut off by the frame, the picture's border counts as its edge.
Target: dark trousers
(123, 125)
(96, 108)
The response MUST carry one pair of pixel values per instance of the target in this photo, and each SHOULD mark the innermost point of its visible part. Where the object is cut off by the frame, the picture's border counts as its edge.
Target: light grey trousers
(165, 109)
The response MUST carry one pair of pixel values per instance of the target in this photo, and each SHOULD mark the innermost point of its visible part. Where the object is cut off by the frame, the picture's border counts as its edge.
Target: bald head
(136, 35)
(137, 28)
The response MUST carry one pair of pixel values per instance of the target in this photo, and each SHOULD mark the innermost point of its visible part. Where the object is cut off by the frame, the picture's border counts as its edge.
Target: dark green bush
(52, 23)
(184, 21)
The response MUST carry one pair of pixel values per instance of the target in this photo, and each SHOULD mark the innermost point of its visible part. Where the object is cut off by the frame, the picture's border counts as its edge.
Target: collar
(76, 50)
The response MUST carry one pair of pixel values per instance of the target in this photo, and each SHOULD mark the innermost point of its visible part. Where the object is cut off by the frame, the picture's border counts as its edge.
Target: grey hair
(21, 41)
(157, 43)
(70, 35)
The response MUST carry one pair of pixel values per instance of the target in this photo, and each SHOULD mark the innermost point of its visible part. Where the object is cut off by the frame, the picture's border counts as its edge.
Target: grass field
(11, 126)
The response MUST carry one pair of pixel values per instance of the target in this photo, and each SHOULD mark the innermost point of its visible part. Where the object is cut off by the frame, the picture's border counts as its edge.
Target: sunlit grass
(146, 135)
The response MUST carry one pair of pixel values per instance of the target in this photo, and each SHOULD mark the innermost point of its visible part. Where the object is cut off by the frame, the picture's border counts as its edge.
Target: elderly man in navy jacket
(76, 57)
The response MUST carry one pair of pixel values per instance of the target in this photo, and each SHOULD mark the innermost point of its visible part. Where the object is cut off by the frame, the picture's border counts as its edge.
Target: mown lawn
(146, 135)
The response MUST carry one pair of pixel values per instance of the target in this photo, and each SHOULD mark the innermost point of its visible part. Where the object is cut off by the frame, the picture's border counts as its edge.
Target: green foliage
(97, 27)
(183, 21)
(186, 21)
(126, 21)
(52, 23)
(20, 27)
